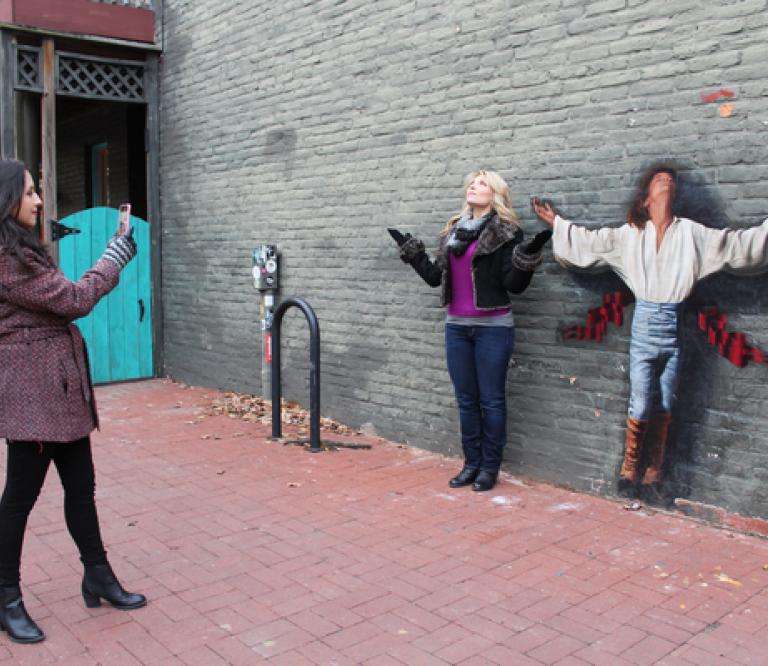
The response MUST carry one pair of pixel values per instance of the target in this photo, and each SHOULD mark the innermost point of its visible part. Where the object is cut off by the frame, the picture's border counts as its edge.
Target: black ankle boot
(484, 481)
(99, 582)
(463, 478)
(14, 617)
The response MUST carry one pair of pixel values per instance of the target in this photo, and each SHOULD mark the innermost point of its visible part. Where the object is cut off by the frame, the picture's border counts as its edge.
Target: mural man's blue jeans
(478, 357)
(654, 358)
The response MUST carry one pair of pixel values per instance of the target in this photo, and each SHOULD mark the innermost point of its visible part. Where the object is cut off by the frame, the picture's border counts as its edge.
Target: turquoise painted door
(118, 331)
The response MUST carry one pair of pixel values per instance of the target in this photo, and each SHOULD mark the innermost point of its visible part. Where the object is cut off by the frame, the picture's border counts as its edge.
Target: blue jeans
(654, 358)
(478, 357)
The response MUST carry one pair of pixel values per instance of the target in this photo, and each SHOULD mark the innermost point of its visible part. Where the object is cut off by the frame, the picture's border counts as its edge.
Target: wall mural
(670, 242)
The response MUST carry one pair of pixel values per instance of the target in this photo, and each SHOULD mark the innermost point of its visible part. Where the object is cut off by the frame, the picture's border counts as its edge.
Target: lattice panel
(100, 79)
(29, 74)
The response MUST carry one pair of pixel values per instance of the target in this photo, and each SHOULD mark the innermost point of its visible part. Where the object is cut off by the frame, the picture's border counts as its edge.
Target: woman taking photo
(480, 259)
(47, 411)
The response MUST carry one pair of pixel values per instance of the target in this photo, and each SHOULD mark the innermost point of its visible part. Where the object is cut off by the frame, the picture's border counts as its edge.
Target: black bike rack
(314, 371)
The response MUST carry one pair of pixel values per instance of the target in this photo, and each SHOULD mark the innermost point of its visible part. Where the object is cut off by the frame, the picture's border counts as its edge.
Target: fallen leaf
(726, 110)
(723, 578)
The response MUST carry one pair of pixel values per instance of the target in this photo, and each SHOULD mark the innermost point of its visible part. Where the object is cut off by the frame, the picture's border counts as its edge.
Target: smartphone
(123, 219)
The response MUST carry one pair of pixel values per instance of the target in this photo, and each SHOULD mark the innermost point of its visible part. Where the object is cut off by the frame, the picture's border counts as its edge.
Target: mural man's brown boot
(633, 447)
(658, 431)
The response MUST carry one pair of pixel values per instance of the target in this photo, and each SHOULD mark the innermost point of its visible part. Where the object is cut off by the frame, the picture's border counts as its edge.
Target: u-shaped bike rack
(314, 371)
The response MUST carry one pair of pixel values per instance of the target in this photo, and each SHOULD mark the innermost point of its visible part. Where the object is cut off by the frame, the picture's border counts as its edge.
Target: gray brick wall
(315, 125)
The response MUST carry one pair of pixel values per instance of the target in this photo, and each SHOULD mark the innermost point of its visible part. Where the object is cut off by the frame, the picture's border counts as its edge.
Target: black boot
(463, 478)
(14, 617)
(99, 582)
(485, 481)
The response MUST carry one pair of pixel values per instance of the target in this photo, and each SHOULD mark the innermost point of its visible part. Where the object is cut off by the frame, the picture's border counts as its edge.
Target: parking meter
(264, 273)
(265, 268)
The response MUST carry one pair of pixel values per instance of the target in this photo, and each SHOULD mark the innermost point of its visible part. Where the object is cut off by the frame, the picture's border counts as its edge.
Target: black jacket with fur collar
(496, 268)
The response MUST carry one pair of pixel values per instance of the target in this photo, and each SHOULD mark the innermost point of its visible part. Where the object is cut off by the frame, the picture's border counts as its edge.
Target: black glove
(410, 247)
(121, 249)
(399, 238)
(527, 255)
(538, 242)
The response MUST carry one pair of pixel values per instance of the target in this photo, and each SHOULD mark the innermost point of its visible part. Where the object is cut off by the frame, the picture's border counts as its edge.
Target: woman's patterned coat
(45, 385)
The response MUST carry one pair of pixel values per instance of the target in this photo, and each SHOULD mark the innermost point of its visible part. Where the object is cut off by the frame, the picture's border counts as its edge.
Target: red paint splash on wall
(611, 311)
(729, 344)
(713, 97)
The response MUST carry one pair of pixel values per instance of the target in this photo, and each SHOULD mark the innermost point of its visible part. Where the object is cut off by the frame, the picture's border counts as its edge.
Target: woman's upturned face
(479, 193)
(30, 204)
(661, 187)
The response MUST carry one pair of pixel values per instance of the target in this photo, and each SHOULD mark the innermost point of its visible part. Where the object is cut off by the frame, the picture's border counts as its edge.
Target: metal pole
(267, 304)
(277, 423)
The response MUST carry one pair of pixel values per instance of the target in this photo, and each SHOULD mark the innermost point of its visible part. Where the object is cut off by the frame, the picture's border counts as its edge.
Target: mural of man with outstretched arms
(660, 257)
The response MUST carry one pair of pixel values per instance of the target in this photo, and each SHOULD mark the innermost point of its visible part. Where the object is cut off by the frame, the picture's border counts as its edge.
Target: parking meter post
(265, 274)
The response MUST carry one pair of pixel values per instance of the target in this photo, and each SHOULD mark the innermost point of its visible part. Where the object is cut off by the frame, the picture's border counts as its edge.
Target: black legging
(27, 466)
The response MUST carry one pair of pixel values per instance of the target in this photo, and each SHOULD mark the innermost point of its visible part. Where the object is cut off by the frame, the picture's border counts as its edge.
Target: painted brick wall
(315, 125)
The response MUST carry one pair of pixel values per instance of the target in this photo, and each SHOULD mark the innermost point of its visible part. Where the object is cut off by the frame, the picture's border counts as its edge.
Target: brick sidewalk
(253, 552)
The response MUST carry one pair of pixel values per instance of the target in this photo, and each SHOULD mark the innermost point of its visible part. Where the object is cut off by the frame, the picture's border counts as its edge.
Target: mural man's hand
(544, 210)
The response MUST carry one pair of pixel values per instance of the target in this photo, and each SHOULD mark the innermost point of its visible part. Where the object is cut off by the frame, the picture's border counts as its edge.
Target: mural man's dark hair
(637, 215)
(13, 237)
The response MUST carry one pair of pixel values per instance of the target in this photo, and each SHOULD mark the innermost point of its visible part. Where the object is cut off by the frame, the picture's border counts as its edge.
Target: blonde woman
(480, 259)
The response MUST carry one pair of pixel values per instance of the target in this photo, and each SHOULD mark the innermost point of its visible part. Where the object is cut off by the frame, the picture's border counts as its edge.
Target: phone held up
(123, 219)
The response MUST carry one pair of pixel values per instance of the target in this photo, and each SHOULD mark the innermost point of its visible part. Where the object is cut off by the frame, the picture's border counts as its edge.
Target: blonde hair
(501, 201)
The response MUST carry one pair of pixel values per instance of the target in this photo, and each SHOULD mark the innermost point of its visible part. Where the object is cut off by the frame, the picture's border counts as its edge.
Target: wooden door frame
(9, 150)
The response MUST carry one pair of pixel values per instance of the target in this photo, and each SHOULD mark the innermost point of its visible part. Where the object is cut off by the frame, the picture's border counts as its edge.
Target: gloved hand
(527, 255)
(399, 237)
(538, 242)
(121, 249)
(410, 247)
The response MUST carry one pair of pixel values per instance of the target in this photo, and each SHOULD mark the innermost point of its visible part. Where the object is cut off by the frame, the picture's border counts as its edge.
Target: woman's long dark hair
(637, 215)
(14, 238)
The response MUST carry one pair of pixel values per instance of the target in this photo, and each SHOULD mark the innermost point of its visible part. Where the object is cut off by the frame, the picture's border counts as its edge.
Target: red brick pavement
(255, 552)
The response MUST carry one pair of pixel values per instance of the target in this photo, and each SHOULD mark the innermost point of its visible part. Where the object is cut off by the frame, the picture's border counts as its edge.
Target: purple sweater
(462, 293)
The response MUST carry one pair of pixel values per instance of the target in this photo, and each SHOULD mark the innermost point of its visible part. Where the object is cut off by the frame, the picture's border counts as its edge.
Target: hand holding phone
(123, 219)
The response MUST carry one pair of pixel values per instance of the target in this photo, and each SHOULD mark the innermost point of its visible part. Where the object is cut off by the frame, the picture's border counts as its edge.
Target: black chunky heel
(91, 600)
(99, 582)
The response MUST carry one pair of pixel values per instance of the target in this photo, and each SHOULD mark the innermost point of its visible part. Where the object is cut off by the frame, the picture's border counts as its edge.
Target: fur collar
(495, 234)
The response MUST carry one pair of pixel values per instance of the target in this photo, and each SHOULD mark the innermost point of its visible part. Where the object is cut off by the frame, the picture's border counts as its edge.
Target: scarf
(466, 231)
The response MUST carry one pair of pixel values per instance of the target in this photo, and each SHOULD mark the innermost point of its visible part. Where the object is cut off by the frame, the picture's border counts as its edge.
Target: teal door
(118, 331)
